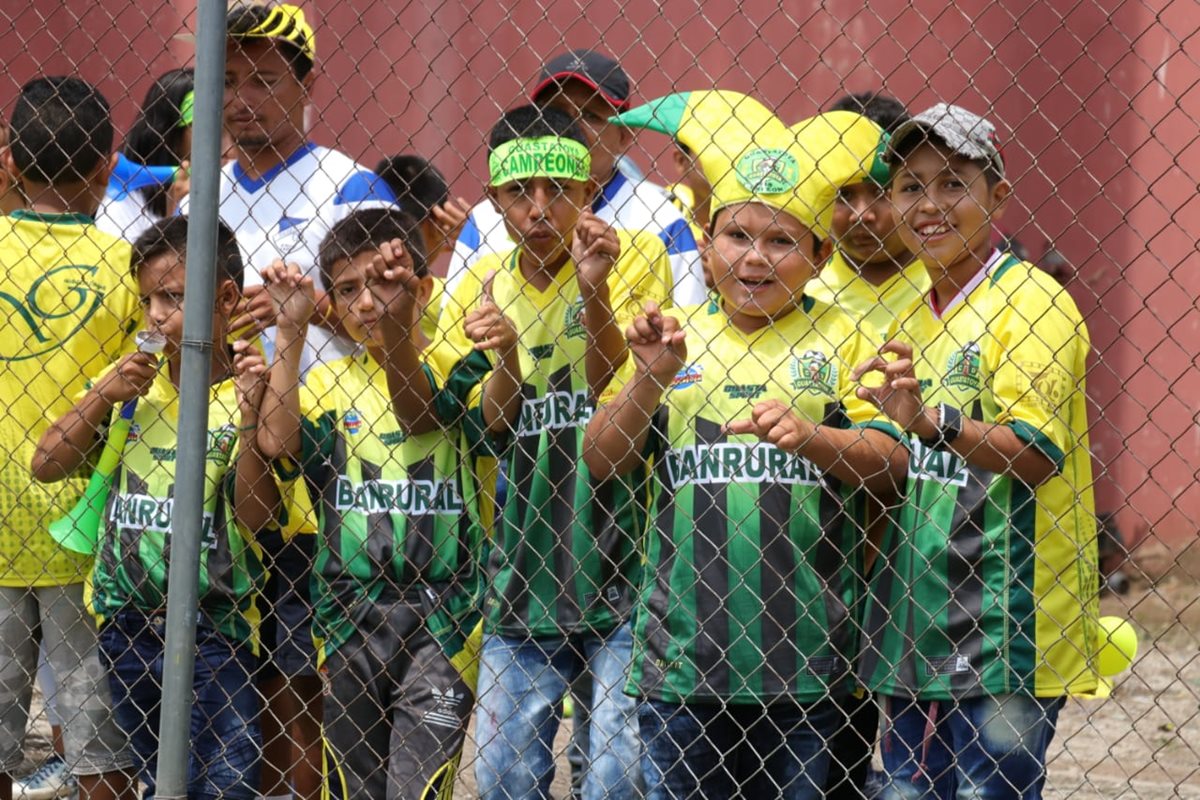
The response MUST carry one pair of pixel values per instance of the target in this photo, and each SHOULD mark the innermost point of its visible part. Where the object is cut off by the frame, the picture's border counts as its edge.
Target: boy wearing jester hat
(564, 568)
(760, 450)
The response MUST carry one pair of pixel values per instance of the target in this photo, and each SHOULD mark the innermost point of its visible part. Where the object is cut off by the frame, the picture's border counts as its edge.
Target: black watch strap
(949, 427)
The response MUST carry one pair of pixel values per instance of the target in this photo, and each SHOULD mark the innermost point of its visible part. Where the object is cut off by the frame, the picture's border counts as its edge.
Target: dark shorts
(286, 631)
(396, 708)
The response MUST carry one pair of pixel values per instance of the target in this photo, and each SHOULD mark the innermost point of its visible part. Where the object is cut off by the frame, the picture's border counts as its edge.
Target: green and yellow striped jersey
(984, 584)
(397, 513)
(564, 559)
(754, 557)
(133, 555)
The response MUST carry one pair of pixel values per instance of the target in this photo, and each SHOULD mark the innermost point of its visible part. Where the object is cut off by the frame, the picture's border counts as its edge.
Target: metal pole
(187, 518)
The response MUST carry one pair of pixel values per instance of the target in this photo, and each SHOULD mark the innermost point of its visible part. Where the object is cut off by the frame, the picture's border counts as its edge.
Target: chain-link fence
(604, 400)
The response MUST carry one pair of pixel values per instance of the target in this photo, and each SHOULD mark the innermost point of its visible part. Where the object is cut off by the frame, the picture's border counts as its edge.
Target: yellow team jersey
(70, 309)
(429, 316)
(754, 554)
(879, 306)
(564, 556)
(989, 585)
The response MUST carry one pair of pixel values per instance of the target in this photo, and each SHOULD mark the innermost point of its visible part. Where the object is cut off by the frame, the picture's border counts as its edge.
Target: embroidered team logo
(813, 372)
(963, 368)
(352, 422)
(768, 171)
(688, 376)
(573, 320)
(135, 432)
(220, 443)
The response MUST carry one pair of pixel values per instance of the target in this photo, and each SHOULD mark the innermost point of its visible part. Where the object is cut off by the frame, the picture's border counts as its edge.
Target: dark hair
(683, 148)
(244, 19)
(991, 173)
(531, 122)
(884, 110)
(364, 231)
(156, 138)
(417, 184)
(169, 235)
(61, 130)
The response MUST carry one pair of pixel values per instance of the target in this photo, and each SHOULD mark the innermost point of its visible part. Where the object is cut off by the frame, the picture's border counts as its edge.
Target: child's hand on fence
(487, 326)
(395, 283)
(250, 377)
(450, 218)
(132, 377)
(594, 250)
(775, 423)
(899, 397)
(657, 343)
(291, 295)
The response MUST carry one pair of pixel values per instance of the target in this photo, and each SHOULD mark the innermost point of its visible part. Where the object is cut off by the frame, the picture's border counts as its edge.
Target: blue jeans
(521, 685)
(981, 747)
(711, 750)
(225, 741)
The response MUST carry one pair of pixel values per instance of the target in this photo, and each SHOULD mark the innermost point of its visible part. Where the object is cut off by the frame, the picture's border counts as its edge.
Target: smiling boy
(983, 604)
(745, 411)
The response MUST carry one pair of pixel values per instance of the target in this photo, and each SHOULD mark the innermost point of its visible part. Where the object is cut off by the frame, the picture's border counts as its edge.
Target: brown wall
(1097, 98)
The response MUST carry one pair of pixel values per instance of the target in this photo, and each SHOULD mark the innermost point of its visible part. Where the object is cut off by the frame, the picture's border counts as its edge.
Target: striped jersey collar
(610, 190)
(965, 292)
(254, 184)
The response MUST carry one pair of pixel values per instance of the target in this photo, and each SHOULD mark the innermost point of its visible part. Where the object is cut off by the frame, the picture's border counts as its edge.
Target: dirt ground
(1142, 743)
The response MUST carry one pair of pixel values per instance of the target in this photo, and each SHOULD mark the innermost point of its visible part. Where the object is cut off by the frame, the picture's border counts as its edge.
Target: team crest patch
(352, 422)
(220, 443)
(963, 368)
(135, 432)
(768, 171)
(688, 376)
(573, 321)
(813, 372)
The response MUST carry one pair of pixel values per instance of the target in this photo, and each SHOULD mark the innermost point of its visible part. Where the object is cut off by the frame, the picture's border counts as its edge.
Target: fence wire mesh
(609, 400)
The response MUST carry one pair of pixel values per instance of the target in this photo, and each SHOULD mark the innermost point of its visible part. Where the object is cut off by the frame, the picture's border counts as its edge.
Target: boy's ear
(491, 196)
(823, 252)
(1000, 194)
(228, 296)
(103, 171)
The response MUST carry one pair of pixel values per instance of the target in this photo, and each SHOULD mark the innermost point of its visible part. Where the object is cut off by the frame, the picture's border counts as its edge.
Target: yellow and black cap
(279, 23)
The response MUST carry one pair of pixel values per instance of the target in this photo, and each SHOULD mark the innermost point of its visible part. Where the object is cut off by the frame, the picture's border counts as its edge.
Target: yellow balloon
(1117, 647)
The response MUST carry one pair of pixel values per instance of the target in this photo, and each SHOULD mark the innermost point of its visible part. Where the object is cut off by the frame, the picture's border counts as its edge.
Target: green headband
(187, 109)
(543, 157)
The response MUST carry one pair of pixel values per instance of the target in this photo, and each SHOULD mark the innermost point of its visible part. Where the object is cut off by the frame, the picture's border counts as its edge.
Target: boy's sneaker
(49, 782)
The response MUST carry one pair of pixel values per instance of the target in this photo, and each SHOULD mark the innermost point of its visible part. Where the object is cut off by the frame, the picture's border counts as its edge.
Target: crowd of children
(798, 461)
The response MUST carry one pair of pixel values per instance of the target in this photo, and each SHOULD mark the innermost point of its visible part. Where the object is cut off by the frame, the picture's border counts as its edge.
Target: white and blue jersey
(624, 203)
(123, 211)
(288, 211)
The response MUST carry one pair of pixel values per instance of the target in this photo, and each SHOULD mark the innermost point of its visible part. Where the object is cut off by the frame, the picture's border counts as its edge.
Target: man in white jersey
(592, 87)
(281, 196)
(283, 193)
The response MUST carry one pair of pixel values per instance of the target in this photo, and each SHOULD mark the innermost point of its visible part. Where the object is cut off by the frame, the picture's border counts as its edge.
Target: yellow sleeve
(1041, 346)
(642, 272)
(855, 349)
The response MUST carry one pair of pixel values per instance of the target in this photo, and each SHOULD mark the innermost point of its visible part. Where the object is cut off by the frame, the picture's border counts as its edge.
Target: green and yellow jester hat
(715, 125)
(801, 171)
(749, 155)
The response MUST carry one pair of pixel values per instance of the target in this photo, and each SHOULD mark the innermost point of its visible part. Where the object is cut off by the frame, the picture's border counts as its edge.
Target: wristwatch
(949, 427)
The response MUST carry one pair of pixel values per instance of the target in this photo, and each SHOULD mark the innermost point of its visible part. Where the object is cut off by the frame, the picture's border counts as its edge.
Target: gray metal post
(187, 518)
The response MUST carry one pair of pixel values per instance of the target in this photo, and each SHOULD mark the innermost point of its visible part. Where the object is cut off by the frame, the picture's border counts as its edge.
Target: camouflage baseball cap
(966, 134)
